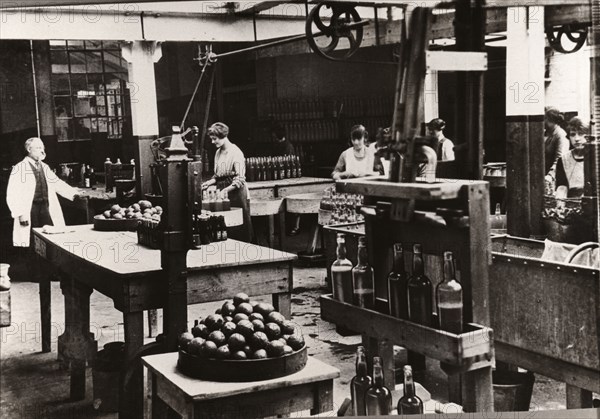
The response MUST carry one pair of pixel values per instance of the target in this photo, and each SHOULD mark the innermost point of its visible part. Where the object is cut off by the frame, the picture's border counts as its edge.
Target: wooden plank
(131, 393)
(45, 311)
(323, 397)
(165, 365)
(578, 398)
(455, 61)
(378, 186)
(447, 347)
(477, 392)
(536, 173)
(556, 369)
(317, 188)
(517, 177)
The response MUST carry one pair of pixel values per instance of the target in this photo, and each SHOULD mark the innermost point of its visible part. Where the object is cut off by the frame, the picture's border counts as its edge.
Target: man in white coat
(32, 194)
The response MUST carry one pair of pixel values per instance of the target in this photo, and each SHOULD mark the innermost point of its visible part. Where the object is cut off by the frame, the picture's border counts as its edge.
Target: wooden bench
(309, 389)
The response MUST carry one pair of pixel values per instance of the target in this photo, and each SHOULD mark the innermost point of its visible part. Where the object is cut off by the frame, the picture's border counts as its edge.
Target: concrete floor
(32, 384)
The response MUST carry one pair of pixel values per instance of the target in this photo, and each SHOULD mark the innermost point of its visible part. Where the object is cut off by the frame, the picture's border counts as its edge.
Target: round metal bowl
(110, 224)
(228, 370)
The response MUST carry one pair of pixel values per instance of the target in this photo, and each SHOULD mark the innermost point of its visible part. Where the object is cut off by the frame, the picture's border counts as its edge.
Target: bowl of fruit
(119, 218)
(243, 341)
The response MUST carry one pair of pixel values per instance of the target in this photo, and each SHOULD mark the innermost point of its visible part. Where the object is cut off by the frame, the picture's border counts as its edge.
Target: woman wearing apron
(357, 161)
(230, 175)
(569, 168)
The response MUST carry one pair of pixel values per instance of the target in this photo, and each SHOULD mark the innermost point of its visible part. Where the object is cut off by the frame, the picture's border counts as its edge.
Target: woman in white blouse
(230, 174)
(358, 160)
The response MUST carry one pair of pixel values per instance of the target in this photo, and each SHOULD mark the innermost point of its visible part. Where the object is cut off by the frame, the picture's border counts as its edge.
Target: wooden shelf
(379, 186)
(468, 351)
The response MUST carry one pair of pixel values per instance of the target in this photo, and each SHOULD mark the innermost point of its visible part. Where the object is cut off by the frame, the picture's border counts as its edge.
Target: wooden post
(524, 120)
(141, 56)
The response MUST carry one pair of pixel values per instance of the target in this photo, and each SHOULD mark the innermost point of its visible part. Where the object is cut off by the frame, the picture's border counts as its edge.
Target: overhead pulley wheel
(325, 30)
(574, 35)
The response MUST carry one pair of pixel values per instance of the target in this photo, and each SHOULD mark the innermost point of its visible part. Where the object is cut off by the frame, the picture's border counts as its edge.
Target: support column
(525, 120)
(141, 56)
(431, 96)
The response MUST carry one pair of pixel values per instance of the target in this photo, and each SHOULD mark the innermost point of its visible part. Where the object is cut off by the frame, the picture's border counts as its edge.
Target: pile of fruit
(243, 329)
(140, 210)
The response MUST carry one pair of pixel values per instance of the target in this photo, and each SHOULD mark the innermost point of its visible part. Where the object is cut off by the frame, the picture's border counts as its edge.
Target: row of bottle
(272, 168)
(344, 208)
(208, 228)
(114, 168)
(284, 110)
(370, 397)
(409, 297)
(311, 131)
(214, 200)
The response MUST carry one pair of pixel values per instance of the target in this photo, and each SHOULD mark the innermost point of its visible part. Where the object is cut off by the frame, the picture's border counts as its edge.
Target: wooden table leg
(386, 352)
(131, 404)
(578, 398)
(271, 230)
(77, 345)
(45, 311)
(283, 303)
(478, 395)
(323, 397)
(281, 219)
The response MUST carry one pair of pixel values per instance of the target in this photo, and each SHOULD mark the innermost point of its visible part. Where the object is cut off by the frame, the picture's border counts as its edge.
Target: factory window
(89, 88)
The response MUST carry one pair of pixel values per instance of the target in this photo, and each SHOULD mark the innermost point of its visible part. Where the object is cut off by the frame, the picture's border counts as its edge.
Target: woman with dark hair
(445, 149)
(569, 168)
(556, 144)
(230, 173)
(358, 160)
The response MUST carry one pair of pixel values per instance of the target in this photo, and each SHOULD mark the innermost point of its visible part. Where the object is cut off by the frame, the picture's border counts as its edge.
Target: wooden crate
(545, 315)
(468, 351)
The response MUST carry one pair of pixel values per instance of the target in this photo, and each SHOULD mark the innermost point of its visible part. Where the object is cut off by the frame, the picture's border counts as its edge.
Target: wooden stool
(309, 389)
(270, 208)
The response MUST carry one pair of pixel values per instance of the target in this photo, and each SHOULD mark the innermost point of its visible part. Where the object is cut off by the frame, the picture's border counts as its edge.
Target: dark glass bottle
(218, 201)
(276, 168)
(250, 170)
(294, 168)
(341, 273)
(226, 202)
(223, 228)
(397, 285)
(107, 166)
(360, 383)
(86, 176)
(378, 399)
(410, 403)
(298, 167)
(419, 291)
(92, 178)
(362, 278)
(288, 167)
(449, 298)
(270, 168)
(259, 169)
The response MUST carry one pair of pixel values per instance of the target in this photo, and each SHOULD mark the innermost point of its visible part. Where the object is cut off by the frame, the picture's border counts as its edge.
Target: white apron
(360, 167)
(19, 197)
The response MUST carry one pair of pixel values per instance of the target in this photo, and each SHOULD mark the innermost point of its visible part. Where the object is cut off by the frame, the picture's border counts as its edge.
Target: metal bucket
(105, 376)
(512, 390)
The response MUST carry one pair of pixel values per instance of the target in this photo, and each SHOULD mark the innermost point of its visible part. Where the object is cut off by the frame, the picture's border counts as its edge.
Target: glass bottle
(282, 168)
(341, 273)
(449, 298)
(378, 399)
(419, 291)
(360, 383)
(397, 285)
(362, 278)
(410, 403)
(86, 176)
(226, 202)
(298, 167)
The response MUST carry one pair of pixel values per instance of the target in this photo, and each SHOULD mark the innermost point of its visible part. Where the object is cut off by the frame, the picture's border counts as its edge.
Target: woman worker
(569, 168)
(359, 160)
(556, 143)
(230, 174)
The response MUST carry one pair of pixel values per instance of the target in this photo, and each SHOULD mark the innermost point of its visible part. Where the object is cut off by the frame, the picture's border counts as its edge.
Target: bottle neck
(377, 376)
(418, 269)
(409, 385)
(448, 270)
(398, 261)
(361, 366)
(341, 250)
(362, 255)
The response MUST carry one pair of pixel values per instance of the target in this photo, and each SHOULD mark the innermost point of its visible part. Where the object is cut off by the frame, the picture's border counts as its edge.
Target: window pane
(81, 128)
(60, 84)
(100, 105)
(64, 129)
(114, 63)
(95, 83)
(81, 105)
(111, 45)
(75, 44)
(56, 44)
(94, 62)
(78, 82)
(93, 45)
(102, 125)
(62, 106)
(77, 62)
(60, 62)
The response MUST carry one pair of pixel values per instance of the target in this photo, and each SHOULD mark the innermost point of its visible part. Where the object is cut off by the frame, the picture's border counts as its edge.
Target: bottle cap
(448, 256)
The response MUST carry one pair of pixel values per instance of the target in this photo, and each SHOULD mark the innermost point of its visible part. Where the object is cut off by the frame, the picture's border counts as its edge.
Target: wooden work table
(113, 264)
(271, 189)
